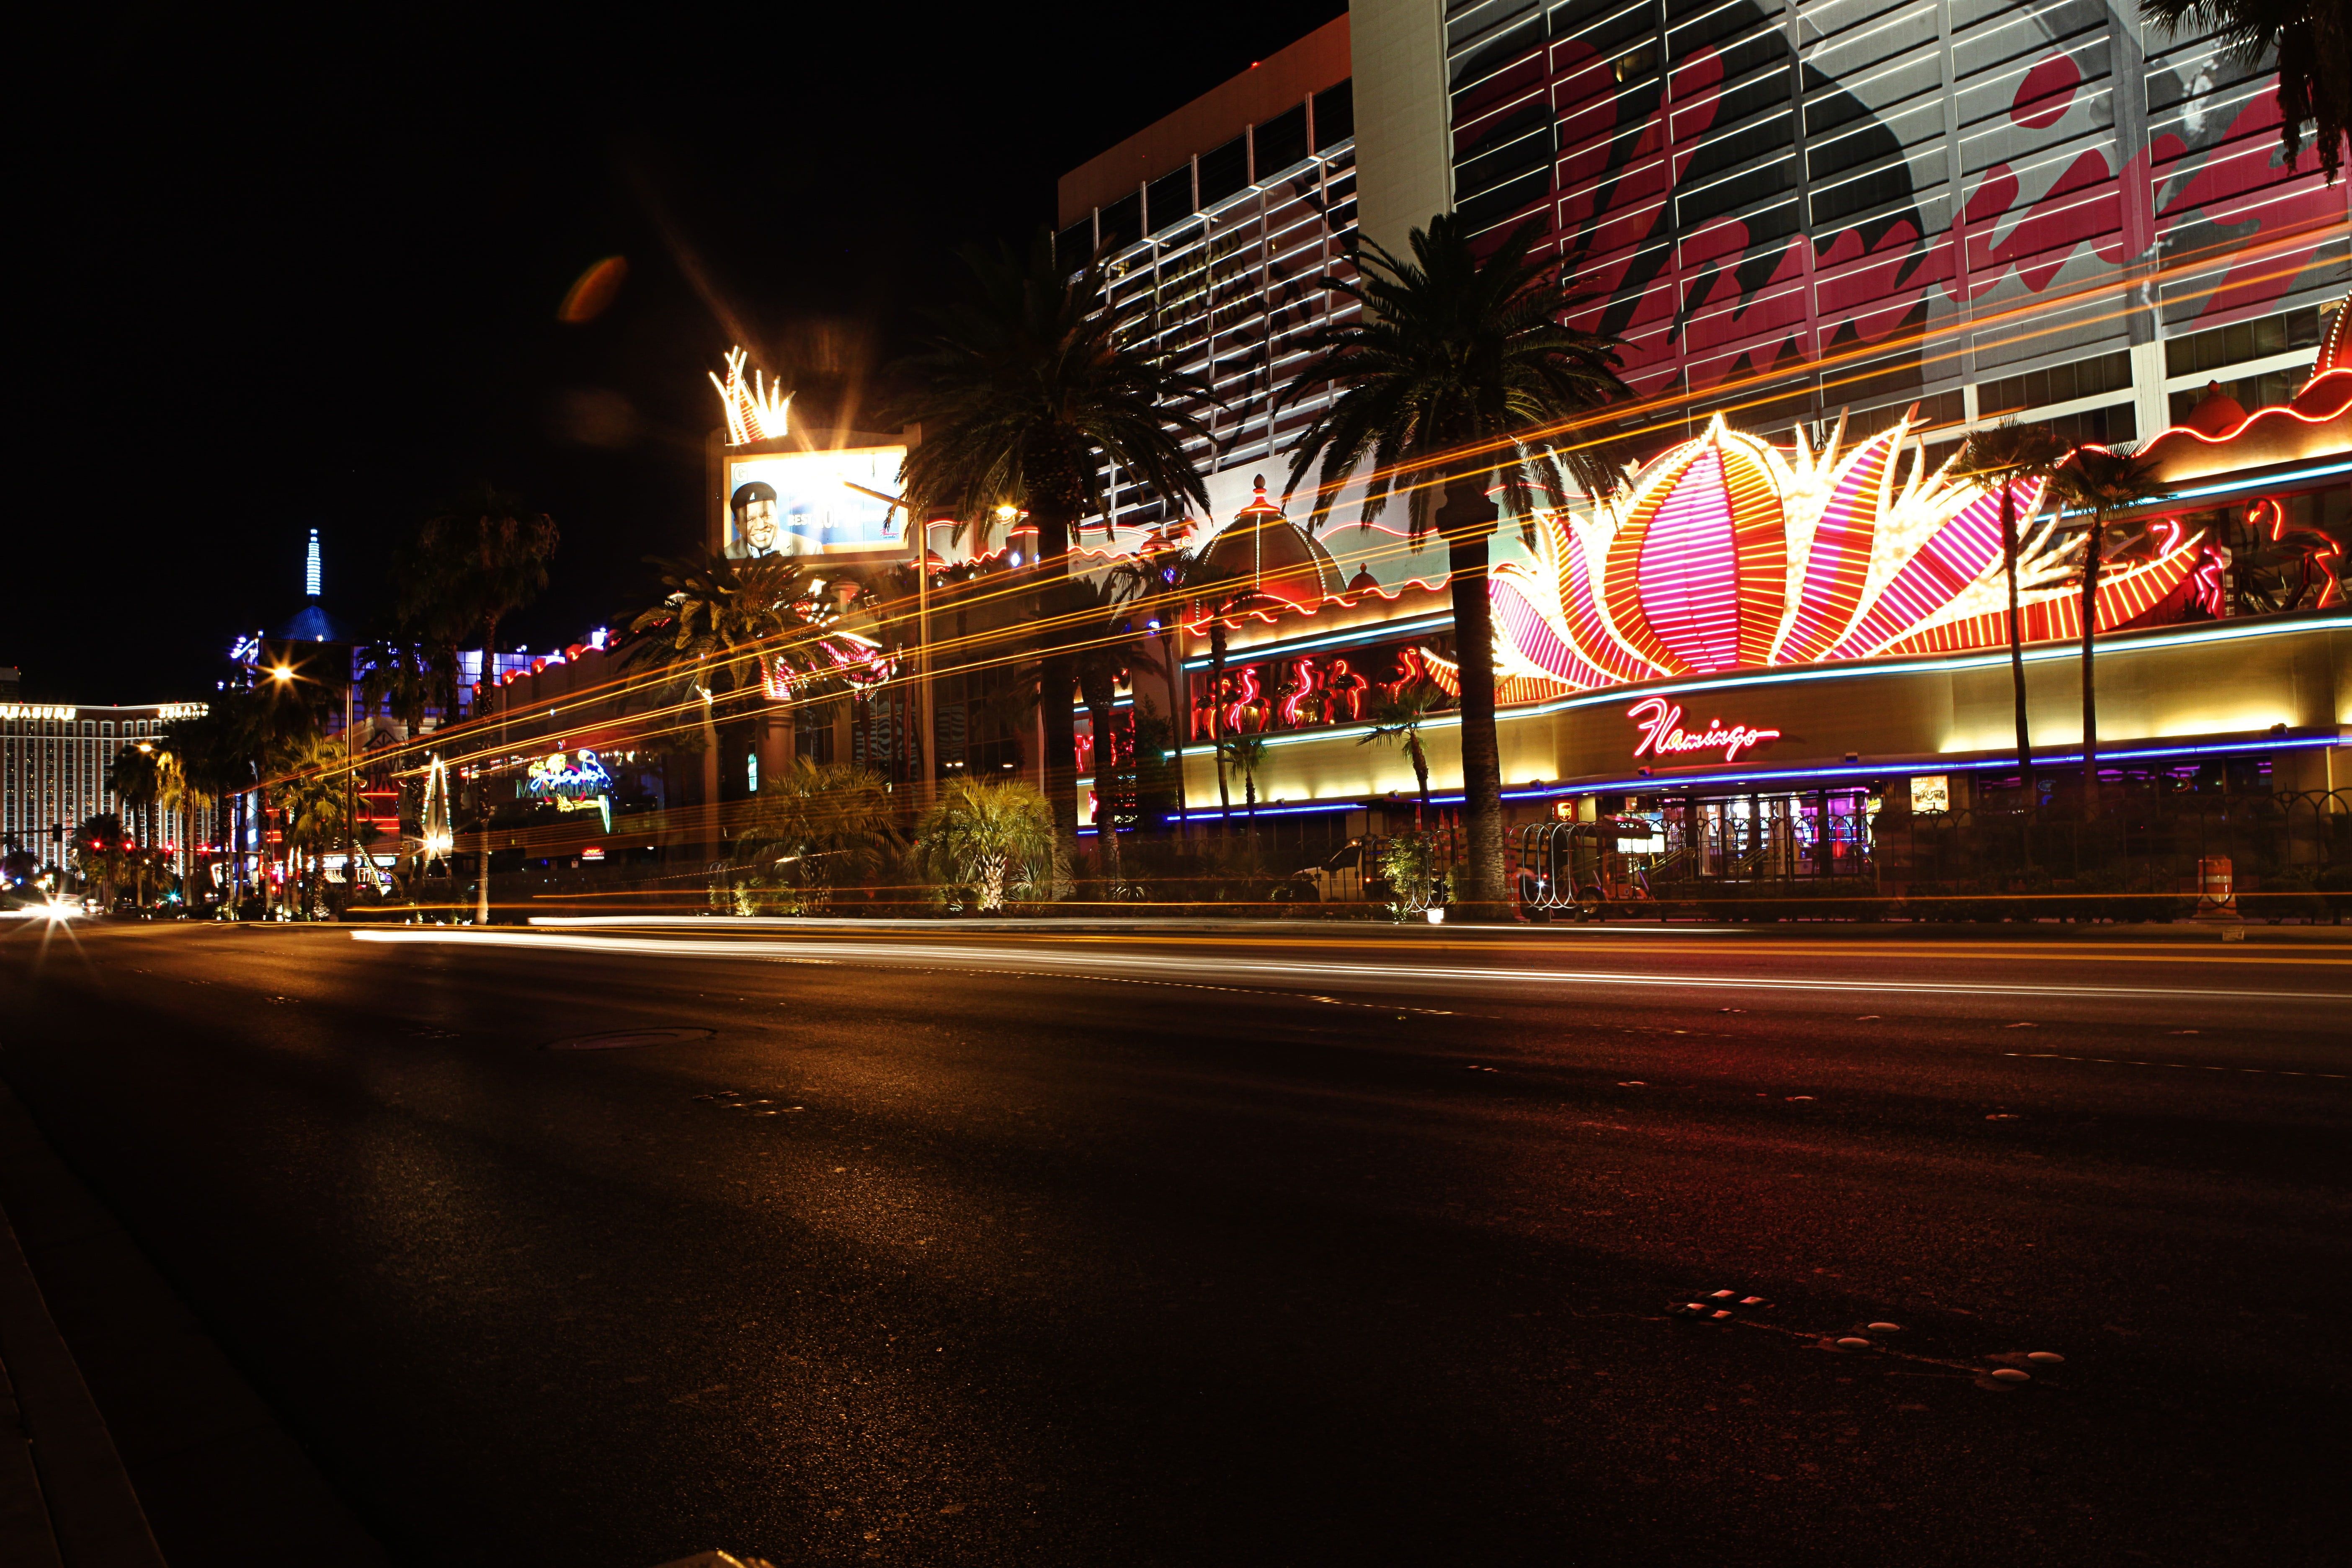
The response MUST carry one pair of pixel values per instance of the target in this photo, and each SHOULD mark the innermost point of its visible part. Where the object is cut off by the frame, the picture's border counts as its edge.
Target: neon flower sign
(1728, 552)
(1663, 734)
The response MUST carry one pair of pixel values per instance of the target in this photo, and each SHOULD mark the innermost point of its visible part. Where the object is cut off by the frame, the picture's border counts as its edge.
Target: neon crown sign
(758, 410)
(1728, 552)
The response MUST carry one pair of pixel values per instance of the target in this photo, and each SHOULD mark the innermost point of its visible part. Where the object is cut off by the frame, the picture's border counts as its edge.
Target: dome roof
(2217, 414)
(312, 624)
(1274, 554)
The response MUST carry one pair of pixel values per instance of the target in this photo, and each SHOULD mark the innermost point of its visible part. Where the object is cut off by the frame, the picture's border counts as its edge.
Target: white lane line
(1090, 960)
(2103, 1061)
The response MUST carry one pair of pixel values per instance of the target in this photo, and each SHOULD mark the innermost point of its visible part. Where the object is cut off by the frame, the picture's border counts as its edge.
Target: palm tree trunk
(1057, 685)
(1180, 716)
(1420, 779)
(1105, 817)
(1217, 723)
(2008, 547)
(2090, 679)
(1482, 768)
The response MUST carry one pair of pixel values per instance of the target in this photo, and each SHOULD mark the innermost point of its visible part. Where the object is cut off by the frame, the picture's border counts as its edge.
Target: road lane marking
(2110, 1062)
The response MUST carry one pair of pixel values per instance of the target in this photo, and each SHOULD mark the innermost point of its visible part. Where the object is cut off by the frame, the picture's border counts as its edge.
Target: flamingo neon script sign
(1663, 734)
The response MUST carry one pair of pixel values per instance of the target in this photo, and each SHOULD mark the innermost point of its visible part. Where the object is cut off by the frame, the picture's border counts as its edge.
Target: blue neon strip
(2220, 631)
(1863, 769)
(1677, 784)
(2260, 482)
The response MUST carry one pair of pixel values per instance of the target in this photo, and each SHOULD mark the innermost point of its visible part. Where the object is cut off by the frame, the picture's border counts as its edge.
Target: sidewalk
(128, 1427)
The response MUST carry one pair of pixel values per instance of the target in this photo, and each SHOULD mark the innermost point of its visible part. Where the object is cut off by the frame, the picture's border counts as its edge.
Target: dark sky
(305, 273)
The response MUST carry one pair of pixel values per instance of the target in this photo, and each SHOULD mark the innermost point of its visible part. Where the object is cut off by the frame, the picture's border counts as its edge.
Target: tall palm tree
(477, 560)
(308, 794)
(1448, 383)
(1206, 591)
(1155, 575)
(1097, 626)
(1026, 397)
(2008, 454)
(132, 778)
(2309, 40)
(1247, 755)
(407, 672)
(102, 852)
(725, 630)
(211, 768)
(1399, 717)
(2101, 481)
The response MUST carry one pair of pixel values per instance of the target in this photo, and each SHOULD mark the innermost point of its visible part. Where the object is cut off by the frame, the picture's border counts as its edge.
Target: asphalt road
(1268, 1245)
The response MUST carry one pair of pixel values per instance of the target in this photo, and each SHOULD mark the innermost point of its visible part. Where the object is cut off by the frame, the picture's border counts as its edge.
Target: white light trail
(1121, 962)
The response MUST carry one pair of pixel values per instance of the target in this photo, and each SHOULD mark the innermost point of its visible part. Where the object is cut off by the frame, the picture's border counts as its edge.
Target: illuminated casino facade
(54, 758)
(1833, 237)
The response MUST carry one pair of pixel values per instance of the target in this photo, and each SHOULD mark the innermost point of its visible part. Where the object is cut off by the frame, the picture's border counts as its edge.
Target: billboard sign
(818, 504)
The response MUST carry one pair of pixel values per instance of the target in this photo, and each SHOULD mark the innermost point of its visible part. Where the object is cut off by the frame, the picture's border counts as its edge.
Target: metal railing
(2284, 856)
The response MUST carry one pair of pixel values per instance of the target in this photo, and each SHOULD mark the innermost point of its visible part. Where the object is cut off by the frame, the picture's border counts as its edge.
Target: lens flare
(594, 291)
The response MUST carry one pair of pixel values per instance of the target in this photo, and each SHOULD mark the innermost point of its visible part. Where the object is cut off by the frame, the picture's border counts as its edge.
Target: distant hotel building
(53, 764)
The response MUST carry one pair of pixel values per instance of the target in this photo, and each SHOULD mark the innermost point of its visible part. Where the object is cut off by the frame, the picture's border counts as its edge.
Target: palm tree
(2100, 481)
(407, 673)
(1158, 569)
(102, 852)
(1096, 630)
(2009, 453)
(1445, 382)
(1210, 592)
(1398, 718)
(736, 628)
(1247, 755)
(308, 795)
(211, 768)
(2309, 40)
(810, 825)
(475, 561)
(992, 836)
(1026, 397)
(133, 779)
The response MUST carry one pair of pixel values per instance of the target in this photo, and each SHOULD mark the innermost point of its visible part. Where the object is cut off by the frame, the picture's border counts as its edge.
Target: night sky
(272, 278)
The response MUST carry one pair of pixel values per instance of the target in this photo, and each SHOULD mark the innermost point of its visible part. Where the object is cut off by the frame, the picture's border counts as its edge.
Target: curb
(192, 1454)
(69, 1500)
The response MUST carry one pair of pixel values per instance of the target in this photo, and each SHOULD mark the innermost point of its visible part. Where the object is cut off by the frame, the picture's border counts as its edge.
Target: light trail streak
(2055, 311)
(1680, 942)
(1321, 974)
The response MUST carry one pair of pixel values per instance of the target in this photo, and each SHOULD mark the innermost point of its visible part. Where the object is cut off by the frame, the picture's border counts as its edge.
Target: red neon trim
(2336, 383)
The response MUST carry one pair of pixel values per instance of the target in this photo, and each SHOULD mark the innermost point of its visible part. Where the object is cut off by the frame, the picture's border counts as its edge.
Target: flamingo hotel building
(1833, 237)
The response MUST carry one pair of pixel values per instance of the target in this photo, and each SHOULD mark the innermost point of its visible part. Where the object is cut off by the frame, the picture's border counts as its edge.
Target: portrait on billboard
(826, 504)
